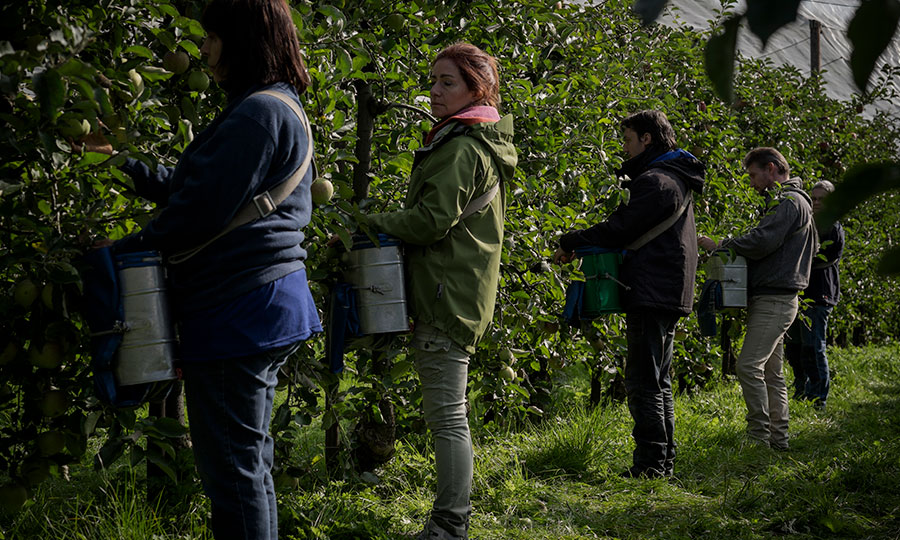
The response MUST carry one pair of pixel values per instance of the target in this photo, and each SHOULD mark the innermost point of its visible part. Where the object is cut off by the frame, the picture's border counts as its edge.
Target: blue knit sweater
(253, 145)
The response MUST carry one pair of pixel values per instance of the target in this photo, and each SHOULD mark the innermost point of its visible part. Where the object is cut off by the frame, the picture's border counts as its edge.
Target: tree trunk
(365, 129)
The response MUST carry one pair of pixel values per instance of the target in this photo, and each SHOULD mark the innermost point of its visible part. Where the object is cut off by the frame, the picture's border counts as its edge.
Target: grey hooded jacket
(781, 248)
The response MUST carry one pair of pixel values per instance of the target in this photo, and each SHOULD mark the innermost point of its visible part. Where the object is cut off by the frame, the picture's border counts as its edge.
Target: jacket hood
(681, 163)
(498, 138)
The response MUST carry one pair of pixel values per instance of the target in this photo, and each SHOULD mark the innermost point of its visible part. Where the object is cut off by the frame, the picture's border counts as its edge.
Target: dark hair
(656, 124)
(764, 155)
(478, 69)
(259, 43)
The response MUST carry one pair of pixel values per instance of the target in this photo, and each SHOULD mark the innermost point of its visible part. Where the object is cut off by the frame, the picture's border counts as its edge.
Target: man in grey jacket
(780, 250)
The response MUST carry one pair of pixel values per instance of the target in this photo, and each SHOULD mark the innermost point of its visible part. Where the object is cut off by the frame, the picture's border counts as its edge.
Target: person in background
(779, 252)
(658, 276)
(452, 229)
(241, 302)
(805, 350)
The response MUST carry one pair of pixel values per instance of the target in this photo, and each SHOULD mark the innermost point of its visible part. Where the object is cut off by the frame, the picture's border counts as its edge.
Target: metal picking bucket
(732, 274)
(376, 273)
(147, 351)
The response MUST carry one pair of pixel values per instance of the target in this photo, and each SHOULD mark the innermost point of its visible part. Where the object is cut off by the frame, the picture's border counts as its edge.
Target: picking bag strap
(266, 202)
(656, 231)
(480, 202)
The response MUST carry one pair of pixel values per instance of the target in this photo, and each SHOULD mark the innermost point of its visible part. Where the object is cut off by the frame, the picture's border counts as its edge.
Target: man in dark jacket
(656, 227)
(805, 349)
(779, 251)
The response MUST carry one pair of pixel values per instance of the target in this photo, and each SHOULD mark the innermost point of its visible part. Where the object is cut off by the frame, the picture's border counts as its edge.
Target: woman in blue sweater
(242, 302)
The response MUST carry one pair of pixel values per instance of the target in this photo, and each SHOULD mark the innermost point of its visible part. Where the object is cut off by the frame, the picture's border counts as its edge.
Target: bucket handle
(375, 289)
(119, 327)
(607, 275)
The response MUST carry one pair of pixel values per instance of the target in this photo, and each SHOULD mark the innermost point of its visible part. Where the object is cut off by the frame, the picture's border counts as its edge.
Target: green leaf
(190, 47)
(169, 427)
(648, 10)
(765, 17)
(140, 50)
(51, 93)
(870, 32)
(719, 56)
(859, 184)
(164, 464)
(109, 453)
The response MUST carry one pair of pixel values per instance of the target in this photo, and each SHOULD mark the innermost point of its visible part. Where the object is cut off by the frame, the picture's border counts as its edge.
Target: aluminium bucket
(601, 289)
(730, 270)
(376, 273)
(147, 352)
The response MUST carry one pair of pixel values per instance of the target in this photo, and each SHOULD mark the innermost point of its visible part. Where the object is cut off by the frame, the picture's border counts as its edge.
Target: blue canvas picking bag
(103, 311)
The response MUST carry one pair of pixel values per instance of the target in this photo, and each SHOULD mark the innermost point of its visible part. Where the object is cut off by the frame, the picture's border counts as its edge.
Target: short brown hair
(656, 124)
(764, 155)
(478, 69)
(259, 43)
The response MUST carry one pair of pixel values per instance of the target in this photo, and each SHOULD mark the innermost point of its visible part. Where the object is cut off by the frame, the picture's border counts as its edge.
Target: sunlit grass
(559, 479)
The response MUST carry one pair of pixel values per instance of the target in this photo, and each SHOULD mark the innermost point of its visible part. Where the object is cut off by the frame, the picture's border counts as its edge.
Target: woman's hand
(93, 142)
(563, 257)
(707, 243)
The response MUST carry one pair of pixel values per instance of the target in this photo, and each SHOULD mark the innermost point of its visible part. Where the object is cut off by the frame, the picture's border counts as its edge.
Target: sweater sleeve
(448, 184)
(153, 185)
(769, 235)
(649, 205)
(221, 176)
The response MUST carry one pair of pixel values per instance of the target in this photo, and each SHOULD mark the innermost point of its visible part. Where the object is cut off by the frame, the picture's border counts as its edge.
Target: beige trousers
(759, 367)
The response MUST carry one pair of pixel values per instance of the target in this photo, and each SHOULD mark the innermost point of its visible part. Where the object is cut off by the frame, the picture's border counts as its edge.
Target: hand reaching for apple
(563, 257)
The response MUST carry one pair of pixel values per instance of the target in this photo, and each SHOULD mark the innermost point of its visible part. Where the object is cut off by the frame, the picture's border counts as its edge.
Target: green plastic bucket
(601, 288)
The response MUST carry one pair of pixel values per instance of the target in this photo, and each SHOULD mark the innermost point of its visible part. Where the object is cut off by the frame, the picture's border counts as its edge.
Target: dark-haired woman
(241, 302)
(452, 228)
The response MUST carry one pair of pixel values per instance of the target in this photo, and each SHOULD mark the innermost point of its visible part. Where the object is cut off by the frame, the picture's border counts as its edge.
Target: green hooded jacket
(453, 266)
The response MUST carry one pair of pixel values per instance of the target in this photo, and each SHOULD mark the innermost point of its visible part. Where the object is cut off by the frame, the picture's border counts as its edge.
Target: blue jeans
(648, 385)
(229, 405)
(808, 357)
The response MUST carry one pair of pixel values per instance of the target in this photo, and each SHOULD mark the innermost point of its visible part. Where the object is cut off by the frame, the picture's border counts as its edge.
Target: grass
(558, 480)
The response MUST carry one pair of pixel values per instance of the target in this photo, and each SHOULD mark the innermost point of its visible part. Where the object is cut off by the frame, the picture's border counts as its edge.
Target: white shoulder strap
(266, 202)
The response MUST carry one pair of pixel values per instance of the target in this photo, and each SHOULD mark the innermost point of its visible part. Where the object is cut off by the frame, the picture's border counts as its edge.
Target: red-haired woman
(242, 302)
(452, 229)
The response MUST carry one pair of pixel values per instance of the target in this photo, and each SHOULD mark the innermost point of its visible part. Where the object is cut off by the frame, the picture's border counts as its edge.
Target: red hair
(478, 69)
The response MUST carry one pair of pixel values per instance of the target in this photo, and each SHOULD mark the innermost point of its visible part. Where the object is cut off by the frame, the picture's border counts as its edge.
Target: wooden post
(815, 46)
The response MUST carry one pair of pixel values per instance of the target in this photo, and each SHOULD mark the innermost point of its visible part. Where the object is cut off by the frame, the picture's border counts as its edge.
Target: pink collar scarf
(468, 116)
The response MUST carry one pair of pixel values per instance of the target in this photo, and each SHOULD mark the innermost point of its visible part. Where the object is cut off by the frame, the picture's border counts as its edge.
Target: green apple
(395, 22)
(198, 81)
(49, 356)
(13, 497)
(322, 191)
(507, 356)
(25, 292)
(176, 61)
(35, 470)
(9, 353)
(74, 127)
(54, 403)
(50, 443)
(136, 81)
(507, 373)
(47, 295)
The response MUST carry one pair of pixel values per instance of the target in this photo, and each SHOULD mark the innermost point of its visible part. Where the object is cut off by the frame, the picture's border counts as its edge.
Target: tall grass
(559, 479)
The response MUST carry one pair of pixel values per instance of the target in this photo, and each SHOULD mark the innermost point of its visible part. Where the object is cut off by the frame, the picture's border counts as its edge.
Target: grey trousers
(759, 367)
(443, 369)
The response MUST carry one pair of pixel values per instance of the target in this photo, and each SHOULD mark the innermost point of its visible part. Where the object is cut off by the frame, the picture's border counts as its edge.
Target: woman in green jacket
(452, 228)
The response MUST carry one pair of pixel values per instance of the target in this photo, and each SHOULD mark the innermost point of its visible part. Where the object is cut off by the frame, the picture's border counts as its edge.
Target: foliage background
(569, 74)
